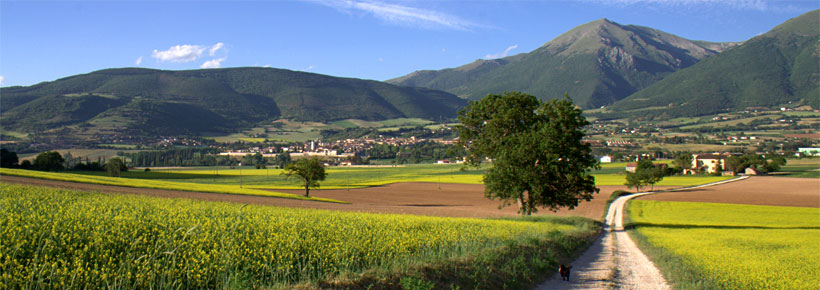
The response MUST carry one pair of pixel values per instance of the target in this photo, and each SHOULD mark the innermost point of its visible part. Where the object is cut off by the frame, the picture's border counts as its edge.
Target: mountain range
(777, 67)
(630, 71)
(596, 64)
(146, 101)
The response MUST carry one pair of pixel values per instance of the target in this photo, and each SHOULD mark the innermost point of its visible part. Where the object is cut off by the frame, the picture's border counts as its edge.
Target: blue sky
(46, 40)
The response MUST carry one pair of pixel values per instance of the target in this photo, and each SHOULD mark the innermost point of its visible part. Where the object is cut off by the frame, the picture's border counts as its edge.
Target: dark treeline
(427, 151)
(177, 157)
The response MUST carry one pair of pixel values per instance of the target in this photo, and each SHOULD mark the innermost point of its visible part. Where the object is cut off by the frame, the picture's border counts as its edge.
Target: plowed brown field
(757, 190)
(453, 200)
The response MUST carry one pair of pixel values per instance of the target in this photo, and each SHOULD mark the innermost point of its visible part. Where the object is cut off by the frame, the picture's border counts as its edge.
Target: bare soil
(451, 200)
(756, 190)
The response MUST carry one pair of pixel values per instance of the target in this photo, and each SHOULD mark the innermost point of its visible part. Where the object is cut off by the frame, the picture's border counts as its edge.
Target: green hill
(144, 101)
(596, 63)
(775, 68)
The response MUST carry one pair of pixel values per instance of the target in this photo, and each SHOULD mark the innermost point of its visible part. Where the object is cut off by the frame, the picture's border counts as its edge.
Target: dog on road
(564, 270)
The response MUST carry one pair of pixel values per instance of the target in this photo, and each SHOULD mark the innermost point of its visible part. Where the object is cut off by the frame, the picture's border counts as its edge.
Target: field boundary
(154, 184)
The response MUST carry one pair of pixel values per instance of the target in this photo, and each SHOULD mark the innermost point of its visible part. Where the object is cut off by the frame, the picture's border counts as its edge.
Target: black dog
(564, 270)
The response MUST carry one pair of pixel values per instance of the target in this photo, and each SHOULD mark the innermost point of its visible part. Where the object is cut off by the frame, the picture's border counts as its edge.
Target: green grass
(730, 246)
(251, 180)
(97, 178)
(405, 122)
(804, 168)
(53, 238)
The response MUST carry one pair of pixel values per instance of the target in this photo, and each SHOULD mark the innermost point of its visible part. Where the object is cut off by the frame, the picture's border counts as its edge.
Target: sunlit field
(135, 181)
(247, 180)
(730, 246)
(53, 238)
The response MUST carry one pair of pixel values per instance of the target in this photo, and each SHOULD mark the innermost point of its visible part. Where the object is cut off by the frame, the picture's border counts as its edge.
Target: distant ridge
(778, 67)
(147, 101)
(597, 64)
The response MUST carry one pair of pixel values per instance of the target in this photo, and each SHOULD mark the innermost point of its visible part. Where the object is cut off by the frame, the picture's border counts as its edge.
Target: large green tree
(308, 171)
(49, 161)
(538, 157)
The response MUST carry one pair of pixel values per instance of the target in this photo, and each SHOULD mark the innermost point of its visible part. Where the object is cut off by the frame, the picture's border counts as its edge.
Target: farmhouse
(606, 159)
(709, 163)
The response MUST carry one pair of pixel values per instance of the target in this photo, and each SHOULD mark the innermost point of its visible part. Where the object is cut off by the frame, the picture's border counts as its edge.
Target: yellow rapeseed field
(53, 238)
(737, 246)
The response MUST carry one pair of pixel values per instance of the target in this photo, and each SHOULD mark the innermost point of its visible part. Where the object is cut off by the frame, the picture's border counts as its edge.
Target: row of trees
(53, 161)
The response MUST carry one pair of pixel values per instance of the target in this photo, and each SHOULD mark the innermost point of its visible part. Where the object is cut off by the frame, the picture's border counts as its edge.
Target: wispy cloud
(501, 54)
(2, 78)
(185, 52)
(216, 48)
(762, 5)
(401, 15)
(138, 61)
(214, 63)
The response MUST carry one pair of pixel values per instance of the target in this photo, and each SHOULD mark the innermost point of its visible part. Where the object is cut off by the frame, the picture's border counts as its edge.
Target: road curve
(614, 261)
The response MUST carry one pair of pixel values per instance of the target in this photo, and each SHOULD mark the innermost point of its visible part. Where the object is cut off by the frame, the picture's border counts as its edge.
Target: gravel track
(614, 261)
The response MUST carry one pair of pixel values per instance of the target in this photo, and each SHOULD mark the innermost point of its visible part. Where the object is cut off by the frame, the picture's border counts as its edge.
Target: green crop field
(149, 183)
(53, 238)
(805, 168)
(248, 180)
(730, 246)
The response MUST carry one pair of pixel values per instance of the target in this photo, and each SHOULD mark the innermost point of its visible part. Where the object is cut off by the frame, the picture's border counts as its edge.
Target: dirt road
(614, 261)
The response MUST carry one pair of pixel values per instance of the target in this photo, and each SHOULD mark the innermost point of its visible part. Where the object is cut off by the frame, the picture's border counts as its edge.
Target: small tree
(283, 159)
(49, 161)
(8, 158)
(646, 173)
(683, 161)
(115, 166)
(308, 171)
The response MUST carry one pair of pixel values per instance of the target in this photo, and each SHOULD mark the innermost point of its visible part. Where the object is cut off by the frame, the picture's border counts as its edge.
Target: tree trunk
(307, 189)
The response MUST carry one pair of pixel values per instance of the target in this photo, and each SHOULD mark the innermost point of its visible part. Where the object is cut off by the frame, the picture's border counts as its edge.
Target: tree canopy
(308, 171)
(538, 157)
(646, 173)
(115, 166)
(8, 158)
(49, 161)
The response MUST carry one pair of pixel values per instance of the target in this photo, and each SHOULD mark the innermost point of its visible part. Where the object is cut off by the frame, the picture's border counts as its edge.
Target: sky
(47, 40)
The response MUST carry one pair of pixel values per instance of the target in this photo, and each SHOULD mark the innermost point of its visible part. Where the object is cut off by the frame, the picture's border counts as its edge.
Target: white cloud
(2, 78)
(186, 52)
(179, 53)
(401, 15)
(762, 5)
(501, 54)
(214, 63)
(138, 61)
(216, 48)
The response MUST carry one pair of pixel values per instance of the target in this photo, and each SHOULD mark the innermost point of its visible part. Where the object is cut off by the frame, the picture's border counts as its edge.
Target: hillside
(597, 64)
(775, 68)
(144, 101)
